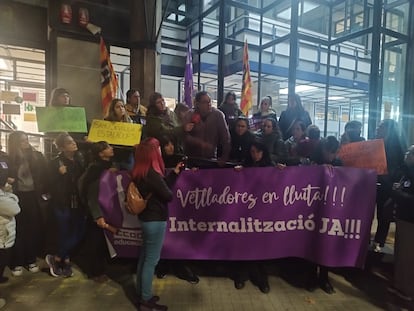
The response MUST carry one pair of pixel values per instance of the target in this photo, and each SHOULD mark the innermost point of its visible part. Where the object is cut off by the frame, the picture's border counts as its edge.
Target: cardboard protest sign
(365, 154)
(115, 133)
(61, 119)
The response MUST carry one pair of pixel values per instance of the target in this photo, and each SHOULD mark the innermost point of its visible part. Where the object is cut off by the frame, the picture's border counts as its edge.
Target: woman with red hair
(148, 174)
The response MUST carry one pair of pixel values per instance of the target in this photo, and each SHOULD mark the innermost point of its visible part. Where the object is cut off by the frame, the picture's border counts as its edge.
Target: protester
(162, 121)
(60, 97)
(394, 152)
(27, 169)
(231, 110)
(69, 214)
(352, 132)
(123, 155)
(207, 130)
(96, 250)
(9, 208)
(180, 111)
(307, 145)
(325, 153)
(180, 268)
(265, 111)
(241, 139)
(402, 196)
(294, 112)
(116, 112)
(298, 135)
(135, 109)
(271, 136)
(258, 156)
(148, 174)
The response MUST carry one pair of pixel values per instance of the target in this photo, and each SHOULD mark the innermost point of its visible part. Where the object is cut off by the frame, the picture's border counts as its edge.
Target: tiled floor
(355, 290)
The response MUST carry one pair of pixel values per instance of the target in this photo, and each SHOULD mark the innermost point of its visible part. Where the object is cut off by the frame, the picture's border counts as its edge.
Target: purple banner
(320, 213)
(128, 238)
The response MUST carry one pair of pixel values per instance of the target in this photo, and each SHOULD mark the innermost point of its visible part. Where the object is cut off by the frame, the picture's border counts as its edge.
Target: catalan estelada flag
(246, 97)
(109, 82)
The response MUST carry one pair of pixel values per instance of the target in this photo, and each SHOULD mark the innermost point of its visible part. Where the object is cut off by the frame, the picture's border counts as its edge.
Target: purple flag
(188, 76)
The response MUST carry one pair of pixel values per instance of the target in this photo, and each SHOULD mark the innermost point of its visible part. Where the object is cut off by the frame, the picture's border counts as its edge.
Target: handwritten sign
(115, 133)
(61, 119)
(365, 154)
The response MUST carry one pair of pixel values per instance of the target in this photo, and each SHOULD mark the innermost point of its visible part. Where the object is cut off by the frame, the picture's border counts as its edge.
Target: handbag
(135, 202)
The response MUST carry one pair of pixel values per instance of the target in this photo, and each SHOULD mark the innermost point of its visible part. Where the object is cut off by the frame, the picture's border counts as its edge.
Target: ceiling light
(299, 89)
(336, 97)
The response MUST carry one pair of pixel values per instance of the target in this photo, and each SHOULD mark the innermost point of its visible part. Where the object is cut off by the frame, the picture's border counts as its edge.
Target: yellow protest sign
(365, 154)
(115, 133)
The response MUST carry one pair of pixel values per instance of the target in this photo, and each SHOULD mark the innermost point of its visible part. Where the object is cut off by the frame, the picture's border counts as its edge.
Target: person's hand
(280, 166)
(63, 169)
(188, 127)
(238, 168)
(10, 180)
(179, 167)
(101, 223)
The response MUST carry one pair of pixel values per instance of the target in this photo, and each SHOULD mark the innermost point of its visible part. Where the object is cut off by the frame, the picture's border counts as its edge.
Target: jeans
(71, 224)
(153, 233)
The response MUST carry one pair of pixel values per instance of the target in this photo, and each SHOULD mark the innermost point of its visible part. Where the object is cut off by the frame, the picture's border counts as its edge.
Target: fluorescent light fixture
(3, 64)
(298, 89)
(336, 97)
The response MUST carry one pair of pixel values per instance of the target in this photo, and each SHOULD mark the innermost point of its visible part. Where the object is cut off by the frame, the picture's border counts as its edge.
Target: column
(145, 45)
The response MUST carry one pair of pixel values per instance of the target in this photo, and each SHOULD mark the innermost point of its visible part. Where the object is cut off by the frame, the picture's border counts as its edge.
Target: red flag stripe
(246, 102)
(109, 82)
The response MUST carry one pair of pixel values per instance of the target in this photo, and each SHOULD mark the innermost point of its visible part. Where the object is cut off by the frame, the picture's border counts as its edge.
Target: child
(9, 207)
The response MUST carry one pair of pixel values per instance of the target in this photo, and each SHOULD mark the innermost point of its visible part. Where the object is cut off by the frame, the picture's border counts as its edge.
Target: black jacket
(64, 187)
(160, 188)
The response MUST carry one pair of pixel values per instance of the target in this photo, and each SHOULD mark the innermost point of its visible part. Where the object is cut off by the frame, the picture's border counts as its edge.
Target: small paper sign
(365, 154)
(61, 119)
(115, 133)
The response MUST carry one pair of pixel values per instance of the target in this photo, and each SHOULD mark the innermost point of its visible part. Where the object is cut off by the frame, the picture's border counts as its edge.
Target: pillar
(145, 45)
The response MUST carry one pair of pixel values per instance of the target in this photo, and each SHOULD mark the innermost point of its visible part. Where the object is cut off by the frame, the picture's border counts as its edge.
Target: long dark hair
(266, 159)
(13, 146)
(152, 108)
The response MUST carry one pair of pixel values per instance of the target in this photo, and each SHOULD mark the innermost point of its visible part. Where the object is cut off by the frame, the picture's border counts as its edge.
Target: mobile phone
(184, 160)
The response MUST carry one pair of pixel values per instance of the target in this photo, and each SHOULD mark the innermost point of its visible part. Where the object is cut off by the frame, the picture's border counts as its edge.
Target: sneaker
(33, 267)
(67, 270)
(399, 293)
(151, 306)
(54, 268)
(17, 271)
(377, 248)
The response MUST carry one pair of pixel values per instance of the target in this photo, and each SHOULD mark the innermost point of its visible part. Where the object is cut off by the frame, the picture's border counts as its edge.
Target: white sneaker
(33, 267)
(377, 248)
(17, 271)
